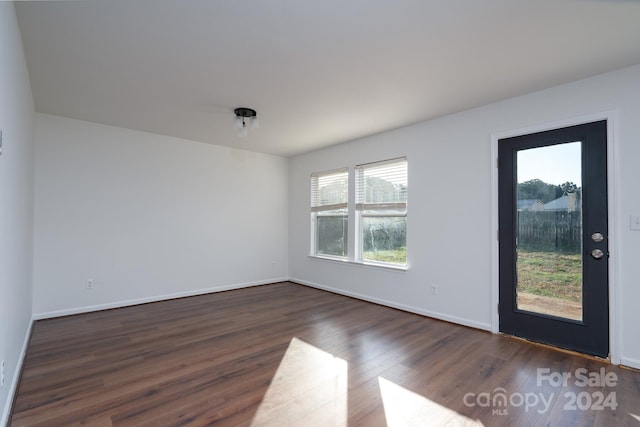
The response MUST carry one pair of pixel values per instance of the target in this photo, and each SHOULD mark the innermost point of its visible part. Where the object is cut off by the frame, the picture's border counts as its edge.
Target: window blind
(382, 185)
(329, 190)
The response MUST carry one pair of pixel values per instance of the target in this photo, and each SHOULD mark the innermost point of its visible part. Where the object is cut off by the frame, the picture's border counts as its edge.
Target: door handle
(597, 253)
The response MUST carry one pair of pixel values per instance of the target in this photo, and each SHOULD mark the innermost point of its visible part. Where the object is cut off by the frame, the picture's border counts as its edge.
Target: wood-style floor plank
(285, 354)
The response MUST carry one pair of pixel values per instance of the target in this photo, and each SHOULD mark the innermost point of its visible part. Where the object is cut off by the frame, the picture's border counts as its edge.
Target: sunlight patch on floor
(404, 408)
(309, 388)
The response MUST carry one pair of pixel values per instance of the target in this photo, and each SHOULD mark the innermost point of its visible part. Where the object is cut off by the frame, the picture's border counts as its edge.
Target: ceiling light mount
(242, 114)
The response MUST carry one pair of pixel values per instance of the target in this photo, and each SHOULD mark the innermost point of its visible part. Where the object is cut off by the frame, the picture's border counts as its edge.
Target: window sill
(391, 267)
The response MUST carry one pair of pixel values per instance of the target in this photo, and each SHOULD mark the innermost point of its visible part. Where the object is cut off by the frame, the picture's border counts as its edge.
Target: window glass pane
(329, 197)
(381, 205)
(331, 233)
(384, 239)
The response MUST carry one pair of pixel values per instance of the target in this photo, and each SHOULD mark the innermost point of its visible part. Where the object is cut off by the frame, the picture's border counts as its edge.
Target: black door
(553, 237)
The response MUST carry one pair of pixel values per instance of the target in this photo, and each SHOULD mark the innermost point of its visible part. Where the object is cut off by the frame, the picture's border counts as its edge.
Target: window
(329, 213)
(378, 230)
(381, 211)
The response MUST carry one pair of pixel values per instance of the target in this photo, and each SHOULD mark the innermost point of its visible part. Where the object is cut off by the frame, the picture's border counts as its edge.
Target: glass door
(553, 237)
(549, 230)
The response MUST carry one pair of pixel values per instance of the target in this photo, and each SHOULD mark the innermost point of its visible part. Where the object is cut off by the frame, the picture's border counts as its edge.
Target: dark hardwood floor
(285, 354)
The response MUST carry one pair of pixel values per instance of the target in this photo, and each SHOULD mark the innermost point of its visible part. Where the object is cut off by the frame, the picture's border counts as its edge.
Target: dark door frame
(614, 222)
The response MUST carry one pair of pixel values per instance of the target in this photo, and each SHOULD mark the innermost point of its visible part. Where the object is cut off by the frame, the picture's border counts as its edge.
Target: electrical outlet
(2, 373)
(90, 284)
(434, 289)
(635, 222)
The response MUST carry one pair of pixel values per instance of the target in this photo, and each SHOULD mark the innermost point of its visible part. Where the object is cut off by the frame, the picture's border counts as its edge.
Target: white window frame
(318, 206)
(393, 169)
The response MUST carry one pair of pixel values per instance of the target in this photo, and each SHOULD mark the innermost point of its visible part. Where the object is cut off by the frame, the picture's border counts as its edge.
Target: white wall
(451, 185)
(16, 201)
(147, 216)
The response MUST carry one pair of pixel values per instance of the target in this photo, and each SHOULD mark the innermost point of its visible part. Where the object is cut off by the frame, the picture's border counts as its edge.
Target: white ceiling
(318, 72)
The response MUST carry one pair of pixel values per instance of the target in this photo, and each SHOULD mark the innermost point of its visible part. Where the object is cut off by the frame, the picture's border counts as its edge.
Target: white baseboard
(13, 387)
(403, 307)
(155, 298)
(632, 363)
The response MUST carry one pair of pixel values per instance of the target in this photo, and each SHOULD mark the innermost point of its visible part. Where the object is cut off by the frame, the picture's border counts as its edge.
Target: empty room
(330, 213)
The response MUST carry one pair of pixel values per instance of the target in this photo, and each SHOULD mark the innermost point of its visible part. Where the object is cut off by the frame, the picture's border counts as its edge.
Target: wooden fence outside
(550, 231)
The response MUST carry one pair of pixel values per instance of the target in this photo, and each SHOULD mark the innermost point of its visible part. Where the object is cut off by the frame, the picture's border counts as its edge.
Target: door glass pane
(549, 230)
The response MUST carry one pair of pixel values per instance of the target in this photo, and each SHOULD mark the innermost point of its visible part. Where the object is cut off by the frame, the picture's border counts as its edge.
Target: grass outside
(397, 256)
(550, 274)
